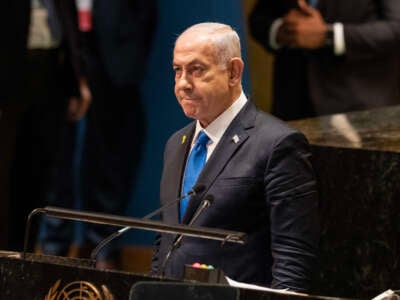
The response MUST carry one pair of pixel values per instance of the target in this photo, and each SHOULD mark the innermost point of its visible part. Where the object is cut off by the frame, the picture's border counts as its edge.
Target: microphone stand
(206, 202)
(108, 219)
(114, 235)
(195, 190)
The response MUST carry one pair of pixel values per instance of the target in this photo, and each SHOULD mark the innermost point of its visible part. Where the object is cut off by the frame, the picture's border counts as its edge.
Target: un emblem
(78, 290)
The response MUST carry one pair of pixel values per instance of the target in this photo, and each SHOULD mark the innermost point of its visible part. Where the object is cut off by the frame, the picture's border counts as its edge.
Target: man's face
(201, 85)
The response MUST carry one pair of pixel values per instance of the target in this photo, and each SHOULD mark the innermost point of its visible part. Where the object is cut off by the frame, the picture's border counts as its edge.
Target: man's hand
(78, 107)
(303, 27)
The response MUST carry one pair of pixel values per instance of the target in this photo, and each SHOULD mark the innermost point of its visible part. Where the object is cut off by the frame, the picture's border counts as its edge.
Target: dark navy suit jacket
(263, 185)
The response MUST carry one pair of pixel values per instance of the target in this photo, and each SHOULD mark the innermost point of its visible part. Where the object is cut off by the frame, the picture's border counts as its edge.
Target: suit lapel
(177, 169)
(233, 138)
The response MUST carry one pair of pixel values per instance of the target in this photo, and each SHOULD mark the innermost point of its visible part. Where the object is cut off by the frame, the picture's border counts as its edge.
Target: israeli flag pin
(235, 139)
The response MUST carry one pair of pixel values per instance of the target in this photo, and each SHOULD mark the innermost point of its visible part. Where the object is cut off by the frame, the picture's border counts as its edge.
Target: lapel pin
(235, 139)
(183, 139)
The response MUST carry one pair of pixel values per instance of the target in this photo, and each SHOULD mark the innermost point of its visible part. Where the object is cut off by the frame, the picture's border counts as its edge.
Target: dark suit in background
(14, 27)
(33, 96)
(316, 82)
(14, 30)
(112, 59)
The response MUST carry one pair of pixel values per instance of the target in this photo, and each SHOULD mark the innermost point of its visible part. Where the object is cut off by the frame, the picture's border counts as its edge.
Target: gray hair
(223, 37)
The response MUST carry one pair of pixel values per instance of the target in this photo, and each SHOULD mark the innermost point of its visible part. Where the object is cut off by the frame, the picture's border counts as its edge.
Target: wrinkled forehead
(193, 38)
(192, 44)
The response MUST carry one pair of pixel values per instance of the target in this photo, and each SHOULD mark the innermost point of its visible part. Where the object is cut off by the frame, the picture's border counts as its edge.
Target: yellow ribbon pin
(183, 139)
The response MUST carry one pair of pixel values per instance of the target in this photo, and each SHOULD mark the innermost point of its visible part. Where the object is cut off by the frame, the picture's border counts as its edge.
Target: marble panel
(356, 157)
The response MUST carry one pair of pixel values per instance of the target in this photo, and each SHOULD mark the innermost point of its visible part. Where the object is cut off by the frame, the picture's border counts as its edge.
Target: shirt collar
(216, 129)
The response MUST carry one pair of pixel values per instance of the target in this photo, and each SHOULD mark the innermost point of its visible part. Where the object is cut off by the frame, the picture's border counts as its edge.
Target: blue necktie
(194, 165)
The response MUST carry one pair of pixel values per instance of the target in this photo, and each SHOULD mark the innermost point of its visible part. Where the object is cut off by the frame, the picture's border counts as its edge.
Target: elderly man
(256, 168)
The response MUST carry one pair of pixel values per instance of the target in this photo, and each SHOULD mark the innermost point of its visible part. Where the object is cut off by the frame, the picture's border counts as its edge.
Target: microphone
(198, 188)
(205, 203)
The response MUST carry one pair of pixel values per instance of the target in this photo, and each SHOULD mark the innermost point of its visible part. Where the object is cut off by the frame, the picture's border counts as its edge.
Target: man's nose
(184, 81)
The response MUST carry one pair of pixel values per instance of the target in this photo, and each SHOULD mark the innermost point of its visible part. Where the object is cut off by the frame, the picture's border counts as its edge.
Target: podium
(53, 278)
(48, 277)
(29, 276)
(356, 157)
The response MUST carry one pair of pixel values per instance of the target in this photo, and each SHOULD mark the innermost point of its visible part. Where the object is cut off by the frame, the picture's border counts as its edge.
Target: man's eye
(197, 70)
(177, 71)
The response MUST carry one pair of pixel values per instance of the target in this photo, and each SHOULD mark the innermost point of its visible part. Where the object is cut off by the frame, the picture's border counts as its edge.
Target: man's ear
(236, 66)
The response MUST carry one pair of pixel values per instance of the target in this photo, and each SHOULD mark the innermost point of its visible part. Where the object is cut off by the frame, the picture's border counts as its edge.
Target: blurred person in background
(34, 109)
(107, 44)
(331, 56)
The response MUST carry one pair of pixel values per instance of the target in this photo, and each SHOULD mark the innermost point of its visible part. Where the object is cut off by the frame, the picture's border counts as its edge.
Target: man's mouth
(188, 99)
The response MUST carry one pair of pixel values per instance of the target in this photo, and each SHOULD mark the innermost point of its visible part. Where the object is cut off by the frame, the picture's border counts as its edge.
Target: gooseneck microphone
(195, 190)
(205, 203)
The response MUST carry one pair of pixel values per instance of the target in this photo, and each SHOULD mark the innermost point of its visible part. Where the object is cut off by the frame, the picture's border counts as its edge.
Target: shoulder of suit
(271, 127)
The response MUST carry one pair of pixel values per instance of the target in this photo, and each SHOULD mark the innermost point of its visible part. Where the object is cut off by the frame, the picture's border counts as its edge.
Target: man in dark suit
(332, 56)
(257, 169)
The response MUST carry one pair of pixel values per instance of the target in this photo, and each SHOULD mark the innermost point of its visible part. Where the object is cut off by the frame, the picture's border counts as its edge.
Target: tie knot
(202, 139)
